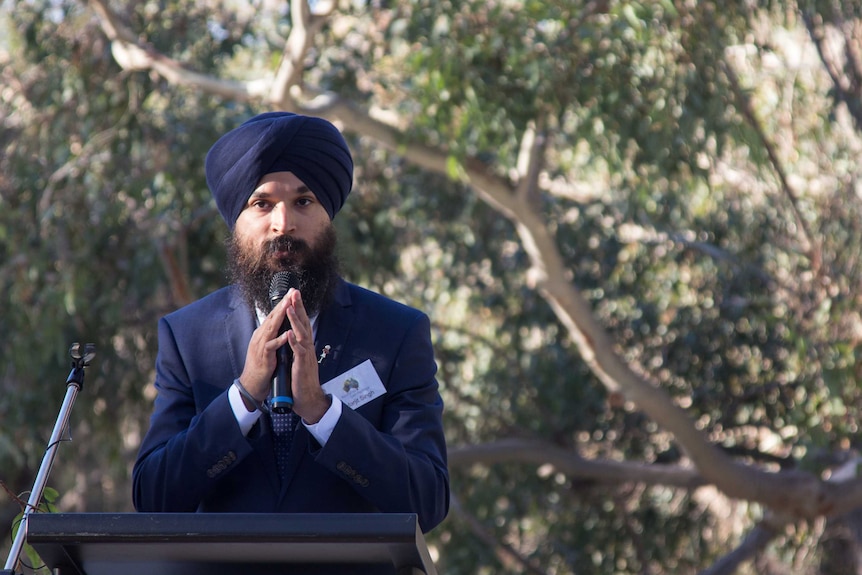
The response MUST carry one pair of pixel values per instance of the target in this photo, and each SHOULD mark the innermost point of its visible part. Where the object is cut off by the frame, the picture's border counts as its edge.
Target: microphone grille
(280, 284)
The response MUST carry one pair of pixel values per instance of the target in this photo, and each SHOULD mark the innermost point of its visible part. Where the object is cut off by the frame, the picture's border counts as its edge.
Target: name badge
(356, 386)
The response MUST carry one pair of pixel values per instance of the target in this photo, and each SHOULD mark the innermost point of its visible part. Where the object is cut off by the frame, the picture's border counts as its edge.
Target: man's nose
(282, 220)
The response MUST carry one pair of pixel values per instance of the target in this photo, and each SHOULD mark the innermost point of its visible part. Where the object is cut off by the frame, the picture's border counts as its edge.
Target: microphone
(282, 395)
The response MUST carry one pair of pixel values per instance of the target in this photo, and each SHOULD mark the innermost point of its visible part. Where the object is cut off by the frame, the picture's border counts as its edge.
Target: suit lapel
(239, 324)
(334, 326)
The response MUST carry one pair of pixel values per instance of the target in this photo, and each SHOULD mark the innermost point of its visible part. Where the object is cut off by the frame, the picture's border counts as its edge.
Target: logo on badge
(350, 383)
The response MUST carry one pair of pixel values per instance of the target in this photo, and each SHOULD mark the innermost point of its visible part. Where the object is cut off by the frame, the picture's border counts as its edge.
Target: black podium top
(229, 543)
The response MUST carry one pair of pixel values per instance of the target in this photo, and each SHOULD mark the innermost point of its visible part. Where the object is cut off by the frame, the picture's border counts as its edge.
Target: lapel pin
(324, 353)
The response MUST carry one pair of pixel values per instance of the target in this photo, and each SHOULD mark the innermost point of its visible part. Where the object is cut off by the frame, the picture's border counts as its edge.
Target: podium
(230, 543)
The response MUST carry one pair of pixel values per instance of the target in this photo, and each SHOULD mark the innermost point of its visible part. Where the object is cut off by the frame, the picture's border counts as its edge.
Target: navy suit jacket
(388, 455)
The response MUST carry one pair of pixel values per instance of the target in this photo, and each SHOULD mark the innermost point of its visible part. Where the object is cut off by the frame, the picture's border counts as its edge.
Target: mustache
(287, 244)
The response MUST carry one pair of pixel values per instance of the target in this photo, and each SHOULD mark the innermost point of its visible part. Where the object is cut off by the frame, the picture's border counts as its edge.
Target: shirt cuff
(245, 418)
(323, 428)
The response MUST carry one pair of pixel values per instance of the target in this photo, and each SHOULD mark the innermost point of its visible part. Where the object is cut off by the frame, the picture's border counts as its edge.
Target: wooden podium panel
(230, 543)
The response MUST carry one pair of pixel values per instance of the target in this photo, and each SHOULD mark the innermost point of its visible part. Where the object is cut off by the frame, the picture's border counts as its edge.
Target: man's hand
(309, 401)
(260, 360)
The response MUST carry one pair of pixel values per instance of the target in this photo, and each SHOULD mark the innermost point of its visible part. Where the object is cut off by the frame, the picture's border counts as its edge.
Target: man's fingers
(277, 315)
(270, 345)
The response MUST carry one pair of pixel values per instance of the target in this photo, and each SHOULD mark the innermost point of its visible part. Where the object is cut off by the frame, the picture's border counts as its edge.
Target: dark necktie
(283, 425)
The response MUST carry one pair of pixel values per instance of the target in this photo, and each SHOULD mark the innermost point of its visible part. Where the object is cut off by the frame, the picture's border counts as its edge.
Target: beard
(315, 266)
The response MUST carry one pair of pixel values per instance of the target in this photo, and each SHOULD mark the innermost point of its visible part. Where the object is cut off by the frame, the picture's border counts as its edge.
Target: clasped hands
(309, 400)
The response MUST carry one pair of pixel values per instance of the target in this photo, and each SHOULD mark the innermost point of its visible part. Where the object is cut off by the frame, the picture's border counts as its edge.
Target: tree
(667, 304)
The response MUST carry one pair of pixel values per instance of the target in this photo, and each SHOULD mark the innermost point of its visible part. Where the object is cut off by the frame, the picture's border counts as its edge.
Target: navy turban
(312, 148)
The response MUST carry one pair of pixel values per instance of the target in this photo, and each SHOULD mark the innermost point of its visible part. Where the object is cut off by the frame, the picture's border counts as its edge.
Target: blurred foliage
(46, 505)
(735, 290)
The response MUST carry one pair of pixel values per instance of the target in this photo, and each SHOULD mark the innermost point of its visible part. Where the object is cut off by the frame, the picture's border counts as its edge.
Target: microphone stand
(74, 384)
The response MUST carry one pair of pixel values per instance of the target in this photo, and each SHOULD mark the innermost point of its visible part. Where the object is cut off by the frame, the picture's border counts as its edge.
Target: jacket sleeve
(192, 441)
(399, 465)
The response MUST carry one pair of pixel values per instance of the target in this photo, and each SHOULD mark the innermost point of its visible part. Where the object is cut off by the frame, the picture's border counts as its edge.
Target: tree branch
(303, 28)
(176, 270)
(131, 55)
(847, 88)
(573, 465)
(810, 244)
(754, 542)
(531, 160)
(796, 493)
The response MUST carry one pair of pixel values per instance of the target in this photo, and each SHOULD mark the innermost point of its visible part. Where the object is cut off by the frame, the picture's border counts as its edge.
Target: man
(370, 439)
